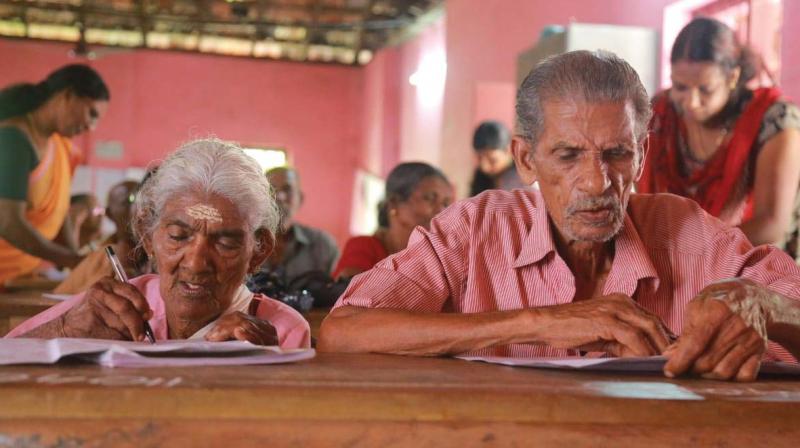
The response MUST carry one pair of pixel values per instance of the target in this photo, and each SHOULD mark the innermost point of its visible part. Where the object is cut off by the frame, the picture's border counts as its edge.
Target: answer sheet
(143, 354)
(652, 364)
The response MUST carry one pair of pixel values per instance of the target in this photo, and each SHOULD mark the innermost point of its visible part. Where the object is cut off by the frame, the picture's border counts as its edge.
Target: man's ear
(522, 152)
(643, 148)
(265, 243)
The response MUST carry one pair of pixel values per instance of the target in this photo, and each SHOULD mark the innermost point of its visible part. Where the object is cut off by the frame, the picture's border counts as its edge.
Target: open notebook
(651, 364)
(143, 354)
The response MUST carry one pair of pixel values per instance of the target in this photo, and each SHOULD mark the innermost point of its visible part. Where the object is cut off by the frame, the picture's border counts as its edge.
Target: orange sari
(48, 204)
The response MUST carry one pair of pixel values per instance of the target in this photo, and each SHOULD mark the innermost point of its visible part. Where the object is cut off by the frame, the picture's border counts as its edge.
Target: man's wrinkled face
(288, 195)
(120, 203)
(586, 161)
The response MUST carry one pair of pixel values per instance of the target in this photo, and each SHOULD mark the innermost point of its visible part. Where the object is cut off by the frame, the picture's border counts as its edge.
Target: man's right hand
(109, 310)
(614, 324)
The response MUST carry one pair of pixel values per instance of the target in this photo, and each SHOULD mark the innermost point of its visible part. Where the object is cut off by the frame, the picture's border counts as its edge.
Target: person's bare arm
(783, 326)
(67, 234)
(18, 232)
(48, 330)
(109, 310)
(727, 328)
(614, 324)
(777, 179)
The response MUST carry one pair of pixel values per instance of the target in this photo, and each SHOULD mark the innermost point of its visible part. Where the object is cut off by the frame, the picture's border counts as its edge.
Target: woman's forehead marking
(204, 212)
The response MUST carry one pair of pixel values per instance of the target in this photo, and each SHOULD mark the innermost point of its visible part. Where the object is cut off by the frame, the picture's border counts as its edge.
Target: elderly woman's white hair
(208, 166)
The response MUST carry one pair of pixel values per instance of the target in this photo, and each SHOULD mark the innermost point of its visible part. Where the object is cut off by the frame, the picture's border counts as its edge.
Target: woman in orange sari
(37, 162)
(734, 150)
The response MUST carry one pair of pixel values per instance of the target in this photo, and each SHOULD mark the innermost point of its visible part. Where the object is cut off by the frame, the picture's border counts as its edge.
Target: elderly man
(96, 265)
(582, 264)
(299, 249)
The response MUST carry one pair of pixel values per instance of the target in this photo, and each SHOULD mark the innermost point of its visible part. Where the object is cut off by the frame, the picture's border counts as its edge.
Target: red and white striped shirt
(495, 252)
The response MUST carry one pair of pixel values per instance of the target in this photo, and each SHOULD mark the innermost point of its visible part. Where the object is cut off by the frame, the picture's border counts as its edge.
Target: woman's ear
(391, 204)
(733, 77)
(265, 243)
(147, 244)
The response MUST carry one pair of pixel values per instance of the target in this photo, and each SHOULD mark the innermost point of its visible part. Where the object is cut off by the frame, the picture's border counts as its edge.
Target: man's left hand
(243, 327)
(724, 334)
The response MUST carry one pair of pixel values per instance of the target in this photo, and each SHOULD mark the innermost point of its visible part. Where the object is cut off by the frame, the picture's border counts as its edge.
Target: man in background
(299, 249)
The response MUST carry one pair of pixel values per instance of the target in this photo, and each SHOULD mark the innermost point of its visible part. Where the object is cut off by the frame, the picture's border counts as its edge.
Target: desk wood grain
(378, 400)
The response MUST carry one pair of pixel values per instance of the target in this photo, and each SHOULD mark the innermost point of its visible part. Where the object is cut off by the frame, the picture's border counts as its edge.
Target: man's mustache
(594, 203)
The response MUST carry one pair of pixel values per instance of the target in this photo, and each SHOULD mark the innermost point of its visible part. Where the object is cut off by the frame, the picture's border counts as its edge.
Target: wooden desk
(16, 307)
(377, 400)
(35, 283)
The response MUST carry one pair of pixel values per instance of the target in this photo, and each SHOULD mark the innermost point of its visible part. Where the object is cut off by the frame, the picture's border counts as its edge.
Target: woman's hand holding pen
(109, 310)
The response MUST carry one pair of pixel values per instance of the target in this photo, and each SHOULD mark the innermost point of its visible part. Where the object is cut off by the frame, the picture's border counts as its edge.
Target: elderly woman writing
(206, 219)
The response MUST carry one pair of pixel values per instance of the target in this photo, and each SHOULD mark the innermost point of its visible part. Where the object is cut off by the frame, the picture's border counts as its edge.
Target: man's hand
(725, 333)
(109, 310)
(614, 324)
(243, 327)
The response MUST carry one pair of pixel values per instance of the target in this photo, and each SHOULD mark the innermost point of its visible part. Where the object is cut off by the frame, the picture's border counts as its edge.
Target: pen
(121, 276)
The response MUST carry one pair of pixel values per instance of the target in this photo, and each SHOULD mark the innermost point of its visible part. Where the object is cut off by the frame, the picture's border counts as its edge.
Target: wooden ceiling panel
(328, 31)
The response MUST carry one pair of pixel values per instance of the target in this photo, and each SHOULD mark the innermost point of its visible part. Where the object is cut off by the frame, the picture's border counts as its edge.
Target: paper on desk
(142, 354)
(654, 364)
(51, 296)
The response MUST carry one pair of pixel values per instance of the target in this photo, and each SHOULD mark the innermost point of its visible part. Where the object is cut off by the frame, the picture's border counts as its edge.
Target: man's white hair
(208, 166)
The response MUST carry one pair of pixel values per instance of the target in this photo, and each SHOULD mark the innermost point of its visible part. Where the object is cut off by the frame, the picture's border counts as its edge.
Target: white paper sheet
(652, 364)
(143, 354)
(52, 296)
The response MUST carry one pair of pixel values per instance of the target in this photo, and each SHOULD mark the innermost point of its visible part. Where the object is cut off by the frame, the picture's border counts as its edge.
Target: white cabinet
(637, 45)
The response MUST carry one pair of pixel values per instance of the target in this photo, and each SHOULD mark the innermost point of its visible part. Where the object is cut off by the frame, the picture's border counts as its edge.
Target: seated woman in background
(415, 193)
(734, 150)
(37, 162)
(95, 266)
(205, 219)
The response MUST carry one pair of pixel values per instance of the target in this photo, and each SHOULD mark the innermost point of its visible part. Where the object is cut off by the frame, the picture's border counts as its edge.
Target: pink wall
(400, 123)
(161, 99)
(483, 41)
(790, 54)
(381, 106)
(421, 109)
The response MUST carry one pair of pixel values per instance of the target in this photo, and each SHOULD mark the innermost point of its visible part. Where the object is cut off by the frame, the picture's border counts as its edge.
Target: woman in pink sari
(206, 219)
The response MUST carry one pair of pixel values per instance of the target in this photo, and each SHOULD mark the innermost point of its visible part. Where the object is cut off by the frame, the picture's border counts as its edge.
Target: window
(268, 158)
